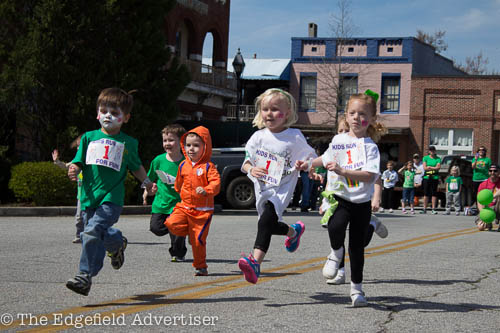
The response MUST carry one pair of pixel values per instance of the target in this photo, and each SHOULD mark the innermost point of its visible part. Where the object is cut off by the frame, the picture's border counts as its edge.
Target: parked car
(237, 190)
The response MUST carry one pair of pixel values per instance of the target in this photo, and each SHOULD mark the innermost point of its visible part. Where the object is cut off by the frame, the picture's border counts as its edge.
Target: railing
(210, 75)
(246, 112)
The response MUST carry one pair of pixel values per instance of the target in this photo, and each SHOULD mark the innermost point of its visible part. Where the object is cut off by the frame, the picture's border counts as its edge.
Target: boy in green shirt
(104, 158)
(162, 173)
(453, 187)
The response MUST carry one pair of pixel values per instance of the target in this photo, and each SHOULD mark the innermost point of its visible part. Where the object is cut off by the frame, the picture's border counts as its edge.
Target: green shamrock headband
(372, 94)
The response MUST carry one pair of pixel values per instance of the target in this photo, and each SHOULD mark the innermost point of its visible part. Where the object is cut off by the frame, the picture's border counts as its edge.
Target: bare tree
(476, 65)
(436, 40)
(333, 87)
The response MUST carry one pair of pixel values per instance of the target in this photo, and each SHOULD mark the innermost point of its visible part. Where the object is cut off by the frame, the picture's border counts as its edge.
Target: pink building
(325, 72)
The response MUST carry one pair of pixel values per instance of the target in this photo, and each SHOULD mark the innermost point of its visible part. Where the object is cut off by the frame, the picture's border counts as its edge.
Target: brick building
(327, 71)
(455, 114)
(187, 26)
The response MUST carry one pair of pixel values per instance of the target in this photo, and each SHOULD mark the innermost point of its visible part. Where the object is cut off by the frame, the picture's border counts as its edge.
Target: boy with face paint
(104, 158)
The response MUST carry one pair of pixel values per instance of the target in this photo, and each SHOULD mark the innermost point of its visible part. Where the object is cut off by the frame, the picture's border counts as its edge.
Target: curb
(71, 211)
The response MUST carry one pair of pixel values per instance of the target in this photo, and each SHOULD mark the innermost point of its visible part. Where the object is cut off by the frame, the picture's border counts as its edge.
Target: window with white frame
(390, 93)
(452, 141)
(307, 92)
(348, 85)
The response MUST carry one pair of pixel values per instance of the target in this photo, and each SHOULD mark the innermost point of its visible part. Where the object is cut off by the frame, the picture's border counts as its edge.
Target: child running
(198, 182)
(330, 204)
(352, 159)
(270, 156)
(104, 158)
(163, 172)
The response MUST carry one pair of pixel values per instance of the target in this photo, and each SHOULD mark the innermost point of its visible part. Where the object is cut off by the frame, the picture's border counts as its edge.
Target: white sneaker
(381, 210)
(331, 267)
(380, 228)
(391, 211)
(339, 279)
(358, 299)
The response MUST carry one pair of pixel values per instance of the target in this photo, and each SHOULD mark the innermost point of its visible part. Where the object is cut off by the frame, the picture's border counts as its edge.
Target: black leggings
(357, 216)
(368, 238)
(268, 225)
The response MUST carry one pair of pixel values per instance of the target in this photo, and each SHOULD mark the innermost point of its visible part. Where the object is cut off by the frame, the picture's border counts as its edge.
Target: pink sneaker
(250, 268)
(292, 243)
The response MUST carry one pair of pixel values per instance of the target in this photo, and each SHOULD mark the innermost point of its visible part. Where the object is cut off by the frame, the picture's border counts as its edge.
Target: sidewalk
(71, 210)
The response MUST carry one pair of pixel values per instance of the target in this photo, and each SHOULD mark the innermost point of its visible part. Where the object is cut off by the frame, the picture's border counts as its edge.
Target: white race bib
(453, 186)
(350, 156)
(105, 152)
(165, 177)
(274, 164)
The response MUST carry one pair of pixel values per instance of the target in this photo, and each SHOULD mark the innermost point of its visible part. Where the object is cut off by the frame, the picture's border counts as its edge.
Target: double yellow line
(155, 300)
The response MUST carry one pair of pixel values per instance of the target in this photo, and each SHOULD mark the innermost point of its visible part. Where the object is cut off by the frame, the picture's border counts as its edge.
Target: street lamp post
(238, 66)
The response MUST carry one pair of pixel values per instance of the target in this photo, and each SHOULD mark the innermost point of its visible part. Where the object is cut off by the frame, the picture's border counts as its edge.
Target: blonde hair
(455, 167)
(283, 95)
(342, 122)
(377, 130)
(116, 98)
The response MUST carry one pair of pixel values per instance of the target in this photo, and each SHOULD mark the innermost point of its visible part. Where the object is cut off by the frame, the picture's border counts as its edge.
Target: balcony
(246, 112)
(216, 80)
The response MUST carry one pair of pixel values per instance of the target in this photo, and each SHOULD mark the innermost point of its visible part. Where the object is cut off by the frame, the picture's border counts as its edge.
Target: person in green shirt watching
(162, 173)
(408, 173)
(432, 163)
(480, 167)
(104, 157)
(453, 188)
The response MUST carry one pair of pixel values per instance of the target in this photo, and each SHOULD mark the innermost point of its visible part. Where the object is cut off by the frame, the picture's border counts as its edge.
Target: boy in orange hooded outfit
(198, 182)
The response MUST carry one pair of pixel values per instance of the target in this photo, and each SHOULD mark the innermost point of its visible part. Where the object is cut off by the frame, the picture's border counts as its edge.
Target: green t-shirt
(453, 183)
(163, 173)
(409, 179)
(480, 172)
(105, 161)
(431, 162)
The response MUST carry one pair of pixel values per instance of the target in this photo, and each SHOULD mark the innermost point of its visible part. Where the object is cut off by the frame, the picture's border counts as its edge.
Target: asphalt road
(433, 273)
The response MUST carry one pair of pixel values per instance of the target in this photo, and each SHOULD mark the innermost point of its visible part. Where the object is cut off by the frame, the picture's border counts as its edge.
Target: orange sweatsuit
(192, 216)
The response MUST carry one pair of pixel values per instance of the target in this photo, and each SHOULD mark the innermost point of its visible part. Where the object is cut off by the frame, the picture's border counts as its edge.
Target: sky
(265, 27)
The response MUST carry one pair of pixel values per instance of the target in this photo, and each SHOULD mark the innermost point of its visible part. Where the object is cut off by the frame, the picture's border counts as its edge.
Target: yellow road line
(387, 248)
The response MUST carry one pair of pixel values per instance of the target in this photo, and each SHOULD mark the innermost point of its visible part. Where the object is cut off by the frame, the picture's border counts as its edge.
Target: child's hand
(201, 190)
(375, 205)
(316, 176)
(153, 190)
(55, 155)
(333, 166)
(73, 172)
(258, 172)
(301, 165)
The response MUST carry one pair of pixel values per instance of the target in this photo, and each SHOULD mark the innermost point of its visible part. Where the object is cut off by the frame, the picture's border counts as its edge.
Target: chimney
(313, 30)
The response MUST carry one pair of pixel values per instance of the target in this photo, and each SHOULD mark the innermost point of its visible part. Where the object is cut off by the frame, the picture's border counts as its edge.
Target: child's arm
(400, 171)
(377, 195)
(143, 178)
(213, 187)
(254, 171)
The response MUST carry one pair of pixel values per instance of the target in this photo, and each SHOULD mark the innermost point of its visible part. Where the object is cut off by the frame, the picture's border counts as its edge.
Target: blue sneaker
(250, 268)
(292, 243)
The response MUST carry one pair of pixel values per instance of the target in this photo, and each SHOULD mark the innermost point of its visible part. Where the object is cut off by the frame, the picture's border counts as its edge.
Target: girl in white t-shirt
(352, 161)
(270, 159)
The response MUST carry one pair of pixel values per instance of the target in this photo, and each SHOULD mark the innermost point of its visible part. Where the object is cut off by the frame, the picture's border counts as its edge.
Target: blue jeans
(307, 185)
(99, 237)
(408, 195)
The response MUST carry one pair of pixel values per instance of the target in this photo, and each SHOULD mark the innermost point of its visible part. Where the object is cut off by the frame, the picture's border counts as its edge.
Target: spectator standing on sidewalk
(453, 188)
(389, 179)
(419, 174)
(480, 166)
(432, 164)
